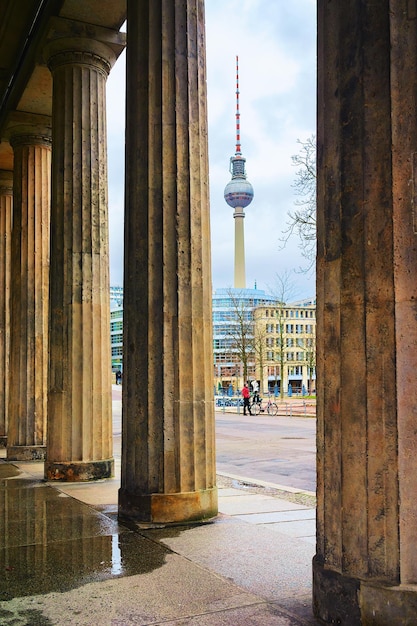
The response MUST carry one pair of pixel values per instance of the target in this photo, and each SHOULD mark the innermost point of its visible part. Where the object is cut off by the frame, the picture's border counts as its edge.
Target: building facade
(233, 336)
(285, 347)
(116, 336)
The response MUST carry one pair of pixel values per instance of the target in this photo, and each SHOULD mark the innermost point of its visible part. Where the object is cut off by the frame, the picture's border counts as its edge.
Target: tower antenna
(238, 146)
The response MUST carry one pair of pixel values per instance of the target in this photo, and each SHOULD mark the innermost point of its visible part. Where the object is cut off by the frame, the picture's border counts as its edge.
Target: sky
(276, 46)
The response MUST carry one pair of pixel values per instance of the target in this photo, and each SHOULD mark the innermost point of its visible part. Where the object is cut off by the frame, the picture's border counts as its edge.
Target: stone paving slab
(292, 515)
(301, 529)
(263, 561)
(255, 503)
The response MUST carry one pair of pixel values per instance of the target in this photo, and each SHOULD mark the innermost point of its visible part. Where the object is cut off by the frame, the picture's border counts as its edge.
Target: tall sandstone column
(79, 394)
(365, 569)
(168, 455)
(28, 372)
(6, 204)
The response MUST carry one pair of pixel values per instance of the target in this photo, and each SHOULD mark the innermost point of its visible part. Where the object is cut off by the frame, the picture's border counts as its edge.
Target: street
(279, 450)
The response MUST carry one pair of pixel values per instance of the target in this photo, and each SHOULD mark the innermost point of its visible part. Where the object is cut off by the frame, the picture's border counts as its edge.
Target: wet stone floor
(52, 542)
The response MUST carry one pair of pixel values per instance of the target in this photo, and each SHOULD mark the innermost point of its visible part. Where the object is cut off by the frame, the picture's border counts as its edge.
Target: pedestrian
(246, 397)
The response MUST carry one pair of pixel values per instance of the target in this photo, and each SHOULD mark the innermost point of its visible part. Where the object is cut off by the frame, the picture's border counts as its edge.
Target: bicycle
(258, 406)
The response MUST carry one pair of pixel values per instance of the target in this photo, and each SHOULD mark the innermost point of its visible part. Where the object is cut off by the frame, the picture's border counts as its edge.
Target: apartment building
(285, 343)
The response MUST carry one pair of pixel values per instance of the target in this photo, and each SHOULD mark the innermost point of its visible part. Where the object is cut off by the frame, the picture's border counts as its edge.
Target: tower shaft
(240, 273)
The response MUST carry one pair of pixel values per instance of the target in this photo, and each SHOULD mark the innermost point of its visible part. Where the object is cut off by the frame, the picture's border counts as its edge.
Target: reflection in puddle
(116, 557)
(49, 543)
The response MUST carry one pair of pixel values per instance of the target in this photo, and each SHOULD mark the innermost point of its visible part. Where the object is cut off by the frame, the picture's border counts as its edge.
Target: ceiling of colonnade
(25, 81)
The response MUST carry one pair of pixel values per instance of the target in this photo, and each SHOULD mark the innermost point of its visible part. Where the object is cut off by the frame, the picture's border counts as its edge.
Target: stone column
(79, 395)
(29, 293)
(168, 455)
(6, 204)
(365, 569)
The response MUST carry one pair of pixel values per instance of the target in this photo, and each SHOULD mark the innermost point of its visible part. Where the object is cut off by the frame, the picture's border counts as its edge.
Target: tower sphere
(238, 193)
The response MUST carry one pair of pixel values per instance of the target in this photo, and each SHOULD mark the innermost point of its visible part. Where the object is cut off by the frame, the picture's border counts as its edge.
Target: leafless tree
(282, 291)
(302, 221)
(241, 332)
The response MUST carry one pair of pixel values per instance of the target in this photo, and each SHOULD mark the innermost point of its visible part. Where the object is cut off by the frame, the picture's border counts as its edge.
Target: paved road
(280, 450)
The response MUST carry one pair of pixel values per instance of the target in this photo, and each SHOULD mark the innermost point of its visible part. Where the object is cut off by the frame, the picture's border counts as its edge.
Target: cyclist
(255, 390)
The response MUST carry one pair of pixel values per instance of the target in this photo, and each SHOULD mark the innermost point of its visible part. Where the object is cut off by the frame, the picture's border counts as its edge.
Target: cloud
(276, 45)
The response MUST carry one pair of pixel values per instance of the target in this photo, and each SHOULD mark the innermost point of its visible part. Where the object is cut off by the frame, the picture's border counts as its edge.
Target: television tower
(238, 194)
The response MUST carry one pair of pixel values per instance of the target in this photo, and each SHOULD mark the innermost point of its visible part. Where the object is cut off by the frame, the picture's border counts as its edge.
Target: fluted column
(29, 293)
(365, 569)
(6, 204)
(168, 456)
(79, 395)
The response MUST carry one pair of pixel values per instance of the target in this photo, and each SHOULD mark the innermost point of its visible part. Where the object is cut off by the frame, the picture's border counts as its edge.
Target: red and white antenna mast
(238, 146)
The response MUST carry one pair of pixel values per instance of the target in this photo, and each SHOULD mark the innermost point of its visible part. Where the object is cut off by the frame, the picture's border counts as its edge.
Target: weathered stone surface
(26, 453)
(28, 372)
(169, 508)
(168, 459)
(6, 205)
(367, 336)
(79, 394)
(78, 472)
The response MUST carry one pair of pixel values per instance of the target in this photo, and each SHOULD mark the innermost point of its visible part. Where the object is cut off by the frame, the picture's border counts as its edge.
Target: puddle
(52, 543)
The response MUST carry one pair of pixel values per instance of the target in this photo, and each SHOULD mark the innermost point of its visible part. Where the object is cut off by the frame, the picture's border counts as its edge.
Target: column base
(72, 472)
(3, 442)
(26, 453)
(338, 599)
(158, 509)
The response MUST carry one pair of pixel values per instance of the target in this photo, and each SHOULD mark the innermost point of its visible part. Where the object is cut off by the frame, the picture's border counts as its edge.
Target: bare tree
(302, 221)
(310, 360)
(260, 351)
(241, 332)
(284, 290)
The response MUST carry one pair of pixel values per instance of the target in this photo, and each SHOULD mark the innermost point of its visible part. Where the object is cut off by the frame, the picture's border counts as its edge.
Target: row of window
(290, 313)
(289, 356)
(290, 342)
(299, 329)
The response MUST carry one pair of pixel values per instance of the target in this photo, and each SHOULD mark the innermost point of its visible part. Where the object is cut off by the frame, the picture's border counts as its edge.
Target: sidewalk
(68, 562)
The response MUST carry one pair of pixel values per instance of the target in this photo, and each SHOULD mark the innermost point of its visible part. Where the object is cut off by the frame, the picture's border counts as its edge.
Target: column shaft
(79, 395)
(29, 296)
(365, 321)
(6, 204)
(168, 456)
